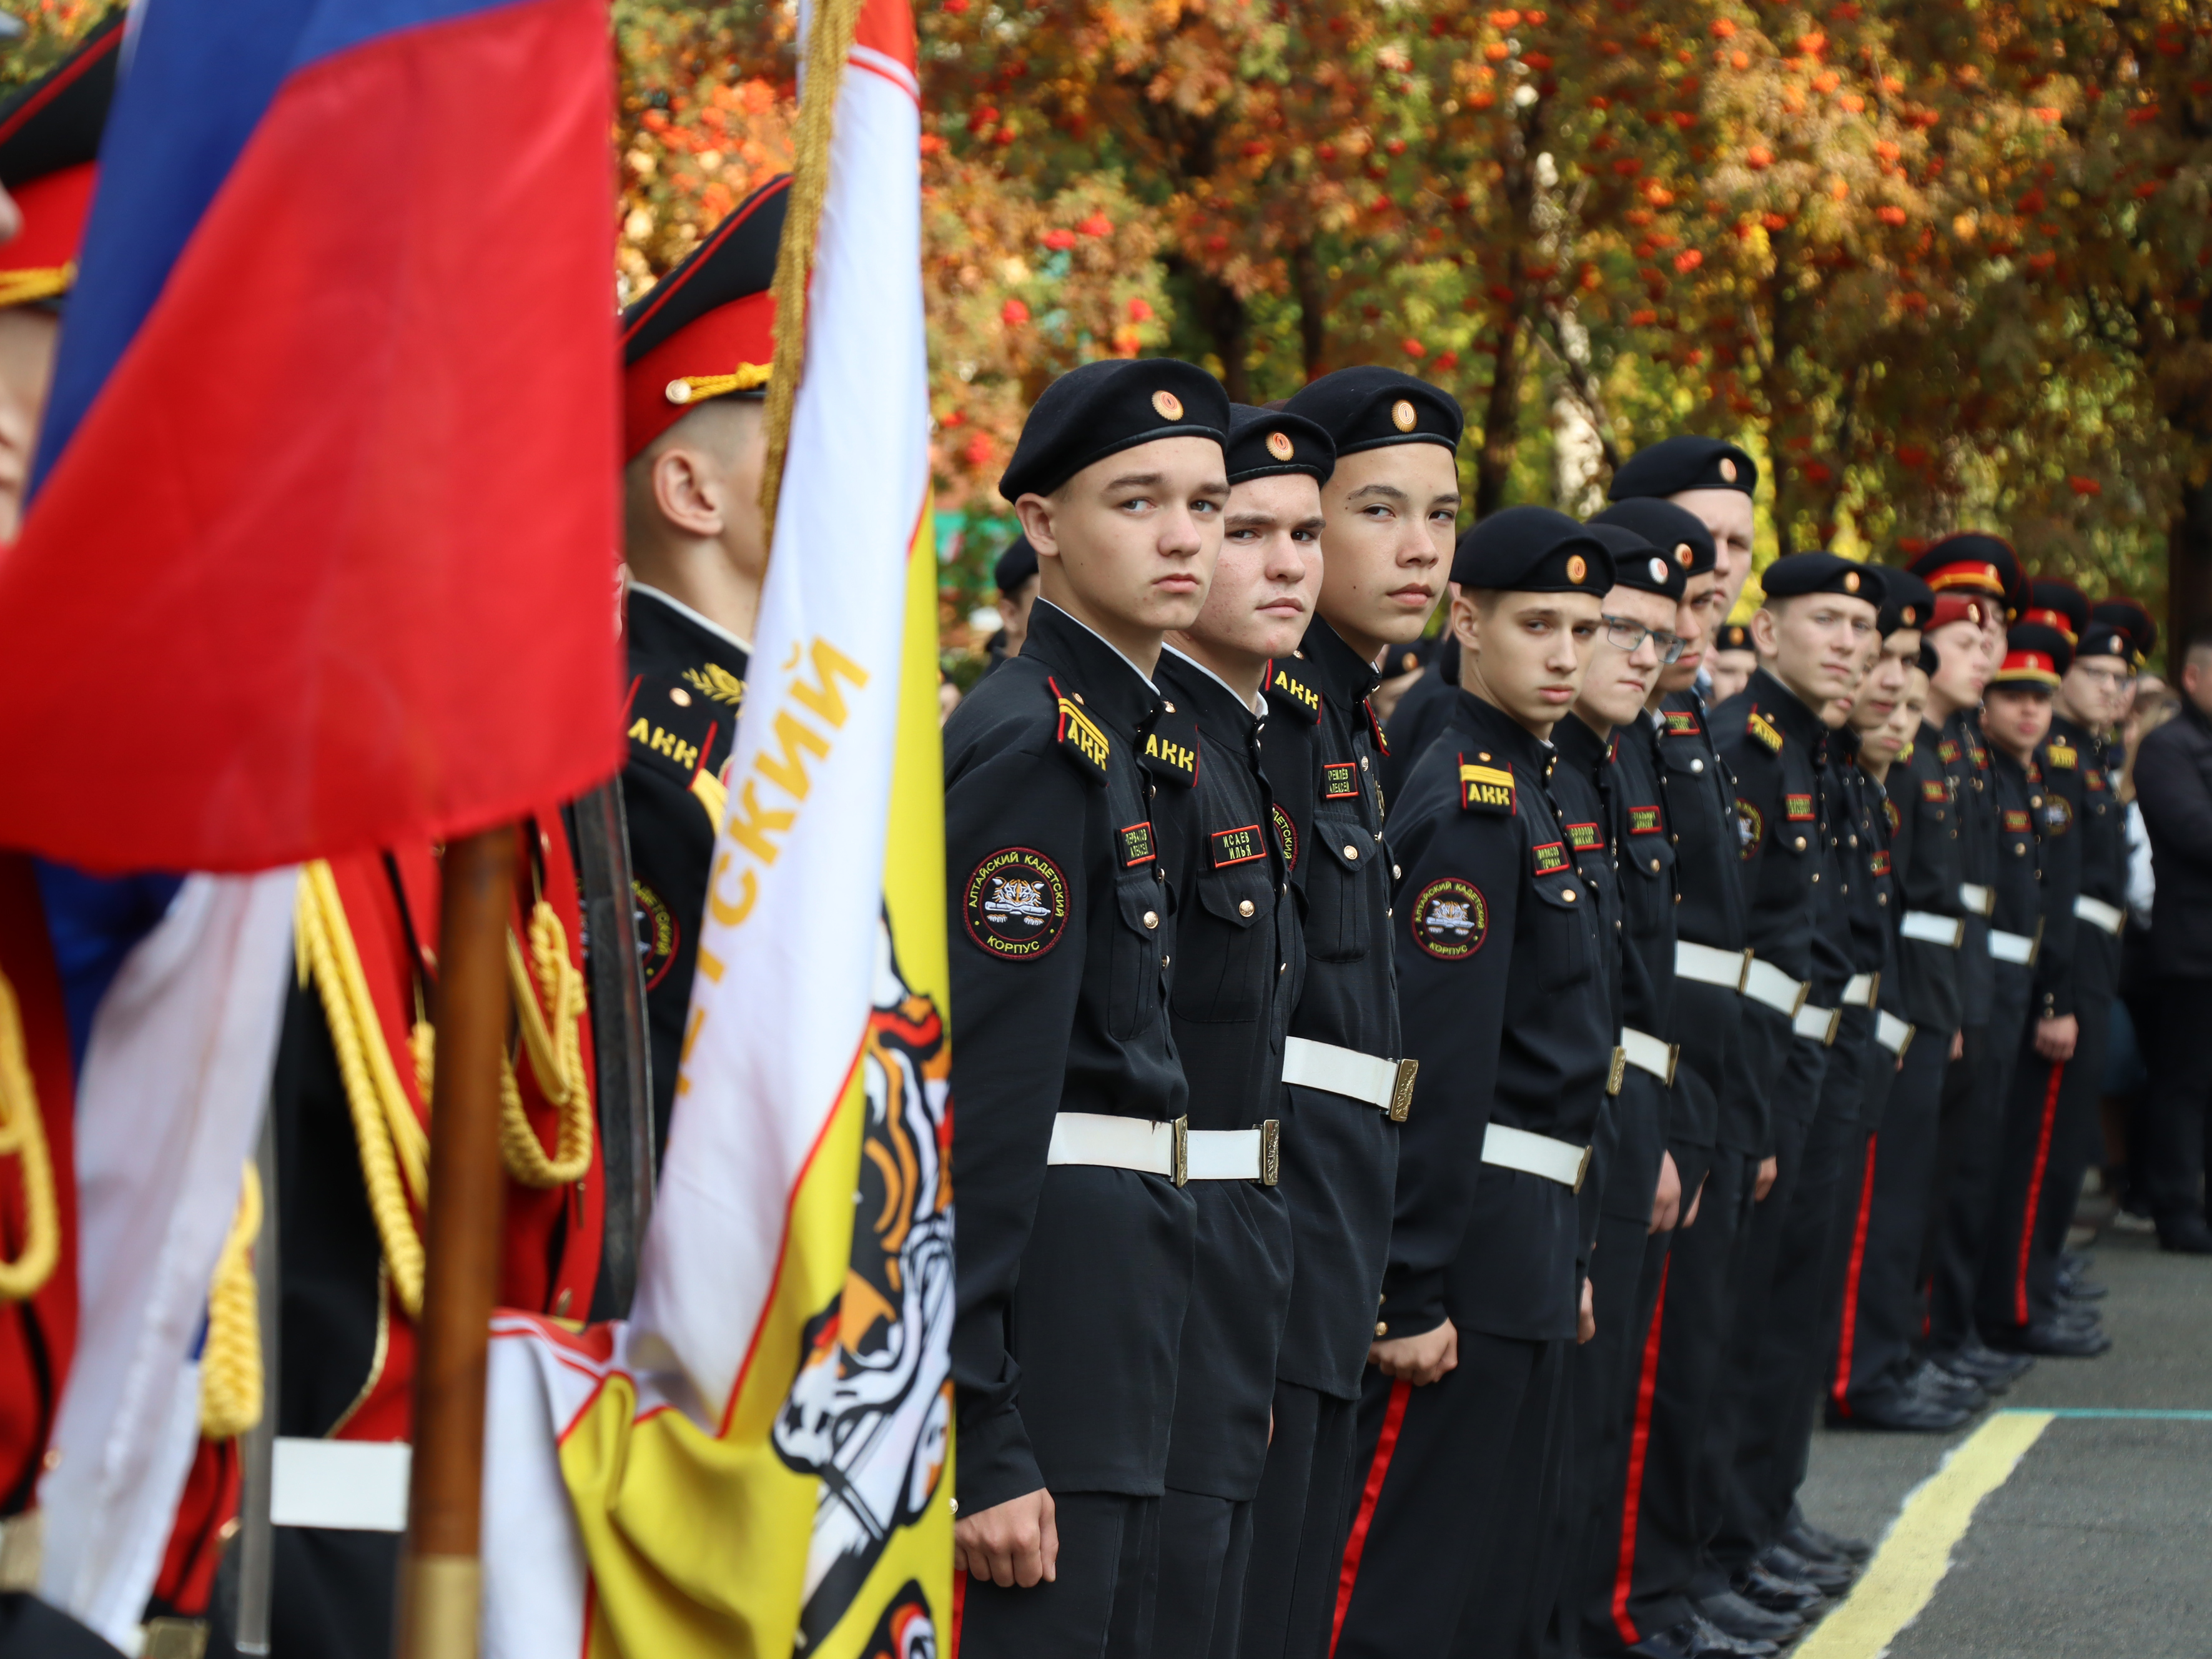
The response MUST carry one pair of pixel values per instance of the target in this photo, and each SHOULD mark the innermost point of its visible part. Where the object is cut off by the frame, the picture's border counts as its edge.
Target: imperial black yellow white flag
(757, 1462)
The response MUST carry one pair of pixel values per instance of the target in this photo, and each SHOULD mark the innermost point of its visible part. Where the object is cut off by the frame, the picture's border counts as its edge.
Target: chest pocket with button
(1560, 912)
(1228, 946)
(1651, 856)
(1144, 946)
(1343, 874)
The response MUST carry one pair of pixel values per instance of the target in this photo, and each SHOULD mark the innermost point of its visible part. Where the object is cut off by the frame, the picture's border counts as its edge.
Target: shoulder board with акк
(1484, 787)
(1169, 749)
(1080, 738)
(1375, 728)
(2063, 755)
(1761, 728)
(1291, 687)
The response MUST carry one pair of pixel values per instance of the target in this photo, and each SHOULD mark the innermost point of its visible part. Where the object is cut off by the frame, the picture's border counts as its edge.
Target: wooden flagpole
(441, 1573)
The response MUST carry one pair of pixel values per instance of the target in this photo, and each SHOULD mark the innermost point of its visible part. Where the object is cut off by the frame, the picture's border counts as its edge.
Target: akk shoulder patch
(1585, 838)
(1238, 846)
(1484, 787)
(1681, 723)
(1170, 747)
(1375, 728)
(1081, 738)
(1645, 821)
(1340, 780)
(1450, 919)
(2063, 755)
(1016, 904)
(1137, 844)
(1761, 727)
(1550, 858)
(1291, 687)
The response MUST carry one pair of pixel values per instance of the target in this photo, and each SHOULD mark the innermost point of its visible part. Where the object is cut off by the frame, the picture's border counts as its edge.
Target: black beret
(1974, 562)
(1372, 407)
(1103, 408)
(1636, 562)
(1733, 637)
(2058, 605)
(2104, 639)
(1533, 550)
(1930, 658)
(1265, 443)
(2131, 618)
(1906, 601)
(1675, 464)
(1820, 572)
(1675, 531)
(2036, 654)
(1015, 566)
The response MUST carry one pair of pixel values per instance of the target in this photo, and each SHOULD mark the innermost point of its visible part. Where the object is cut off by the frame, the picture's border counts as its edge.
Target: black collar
(1345, 678)
(1199, 689)
(1489, 724)
(1084, 666)
(1785, 709)
(1578, 746)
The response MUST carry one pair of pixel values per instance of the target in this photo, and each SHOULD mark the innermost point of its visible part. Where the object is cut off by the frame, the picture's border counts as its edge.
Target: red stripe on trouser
(1385, 1443)
(959, 1609)
(1842, 1391)
(2034, 1199)
(1647, 1384)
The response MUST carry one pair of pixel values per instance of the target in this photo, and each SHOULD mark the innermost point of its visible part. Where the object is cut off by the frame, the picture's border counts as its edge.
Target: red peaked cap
(707, 329)
(1973, 561)
(48, 143)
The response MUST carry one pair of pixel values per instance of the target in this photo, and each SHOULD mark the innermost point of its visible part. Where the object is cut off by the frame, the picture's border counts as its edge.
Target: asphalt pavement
(2100, 1540)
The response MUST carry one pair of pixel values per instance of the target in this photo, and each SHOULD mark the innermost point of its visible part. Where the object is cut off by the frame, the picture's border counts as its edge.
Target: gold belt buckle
(1743, 974)
(1271, 1152)
(1674, 1059)
(1401, 1091)
(1581, 1170)
(1616, 1072)
(1874, 988)
(1181, 1127)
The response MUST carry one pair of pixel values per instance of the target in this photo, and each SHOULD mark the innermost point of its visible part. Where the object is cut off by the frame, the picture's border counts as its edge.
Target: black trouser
(32, 1629)
(1661, 1530)
(1298, 1521)
(1098, 1607)
(2177, 1151)
(1737, 1434)
(1881, 1309)
(1204, 1543)
(1455, 1483)
(2039, 1173)
(1616, 1483)
(1967, 1168)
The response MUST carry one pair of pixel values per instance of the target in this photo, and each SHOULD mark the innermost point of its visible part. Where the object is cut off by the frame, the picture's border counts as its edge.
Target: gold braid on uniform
(386, 1128)
(26, 284)
(230, 1360)
(827, 46)
(23, 1132)
(556, 1059)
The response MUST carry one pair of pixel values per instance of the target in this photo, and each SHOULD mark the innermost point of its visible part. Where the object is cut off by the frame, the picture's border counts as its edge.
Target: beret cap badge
(1402, 415)
(1577, 568)
(1851, 582)
(1280, 446)
(1659, 568)
(1168, 406)
(1728, 469)
(1683, 555)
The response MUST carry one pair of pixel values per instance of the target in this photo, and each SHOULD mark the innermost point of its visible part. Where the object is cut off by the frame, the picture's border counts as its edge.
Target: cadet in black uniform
(1067, 793)
(695, 351)
(1732, 662)
(1501, 981)
(1420, 713)
(2020, 700)
(1669, 1172)
(1243, 954)
(1391, 505)
(1015, 574)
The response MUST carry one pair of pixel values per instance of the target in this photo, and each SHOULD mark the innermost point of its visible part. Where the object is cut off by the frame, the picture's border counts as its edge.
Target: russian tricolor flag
(323, 550)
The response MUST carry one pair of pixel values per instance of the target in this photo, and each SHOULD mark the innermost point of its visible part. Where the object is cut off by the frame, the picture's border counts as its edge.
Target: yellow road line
(1901, 1579)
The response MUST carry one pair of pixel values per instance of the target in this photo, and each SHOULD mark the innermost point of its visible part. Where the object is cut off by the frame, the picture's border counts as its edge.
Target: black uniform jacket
(2174, 784)
(1579, 782)
(2062, 762)
(1339, 1155)
(1966, 763)
(1420, 714)
(1775, 746)
(1924, 858)
(687, 682)
(1837, 951)
(1700, 804)
(2103, 828)
(1645, 852)
(1240, 953)
(2016, 794)
(1073, 1278)
(1500, 974)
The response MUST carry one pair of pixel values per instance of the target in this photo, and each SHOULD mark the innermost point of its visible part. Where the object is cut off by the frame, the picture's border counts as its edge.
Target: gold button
(1284, 968)
(1483, 755)
(1881, 898)
(1396, 873)
(1569, 895)
(1168, 706)
(1362, 763)
(1696, 766)
(2035, 800)
(1654, 865)
(2019, 849)
(1244, 907)
(1382, 1328)
(1078, 696)
(1151, 918)
(1816, 876)
(1800, 845)
(679, 697)
(1351, 851)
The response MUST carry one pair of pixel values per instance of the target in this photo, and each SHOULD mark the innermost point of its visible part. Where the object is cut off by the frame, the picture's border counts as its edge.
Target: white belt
(1977, 898)
(1173, 1150)
(1893, 1033)
(1859, 993)
(1647, 1054)
(2012, 947)
(1763, 982)
(359, 1486)
(1818, 1025)
(1709, 966)
(1383, 1084)
(1536, 1155)
(1932, 929)
(2097, 914)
